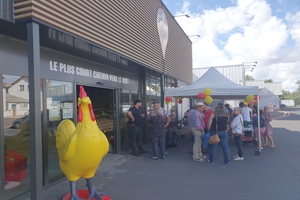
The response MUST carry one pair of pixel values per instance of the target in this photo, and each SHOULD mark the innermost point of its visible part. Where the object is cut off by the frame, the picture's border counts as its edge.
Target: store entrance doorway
(103, 101)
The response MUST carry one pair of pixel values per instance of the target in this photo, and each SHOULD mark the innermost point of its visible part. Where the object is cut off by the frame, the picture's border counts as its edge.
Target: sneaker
(210, 162)
(163, 157)
(198, 159)
(239, 158)
(155, 158)
(203, 157)
(235, 156)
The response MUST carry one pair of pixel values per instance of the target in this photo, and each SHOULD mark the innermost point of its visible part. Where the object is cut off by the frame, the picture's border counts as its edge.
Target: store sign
(84, 46)
(80, 71)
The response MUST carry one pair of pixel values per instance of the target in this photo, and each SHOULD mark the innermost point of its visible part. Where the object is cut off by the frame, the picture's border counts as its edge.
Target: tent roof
(221, 87)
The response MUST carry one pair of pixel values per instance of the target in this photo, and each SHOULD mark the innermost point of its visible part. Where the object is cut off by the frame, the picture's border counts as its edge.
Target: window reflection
(59, 107)
(16, 135)
(126, 99)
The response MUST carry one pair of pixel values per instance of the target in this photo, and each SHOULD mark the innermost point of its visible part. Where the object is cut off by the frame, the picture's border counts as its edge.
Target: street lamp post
(248, 66)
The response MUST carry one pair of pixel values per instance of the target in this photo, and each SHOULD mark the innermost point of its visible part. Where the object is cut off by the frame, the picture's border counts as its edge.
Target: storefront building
(118, 50)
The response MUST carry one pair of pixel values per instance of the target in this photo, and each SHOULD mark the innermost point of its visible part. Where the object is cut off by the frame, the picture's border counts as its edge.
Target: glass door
(16, 135)
(60, 106)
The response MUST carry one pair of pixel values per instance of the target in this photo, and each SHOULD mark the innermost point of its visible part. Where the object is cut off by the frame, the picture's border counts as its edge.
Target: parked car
(18, 122)
(282, 105)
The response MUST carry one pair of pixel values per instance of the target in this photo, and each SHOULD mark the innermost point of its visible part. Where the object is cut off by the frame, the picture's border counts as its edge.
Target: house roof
(13, 99)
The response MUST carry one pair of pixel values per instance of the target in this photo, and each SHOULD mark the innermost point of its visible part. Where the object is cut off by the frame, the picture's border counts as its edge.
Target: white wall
(15, 89)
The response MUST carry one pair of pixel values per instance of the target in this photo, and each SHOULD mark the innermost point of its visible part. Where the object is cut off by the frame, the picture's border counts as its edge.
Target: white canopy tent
(221, 87)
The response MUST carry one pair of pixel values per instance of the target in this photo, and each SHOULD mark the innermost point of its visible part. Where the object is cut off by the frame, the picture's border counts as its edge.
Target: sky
(237, 31)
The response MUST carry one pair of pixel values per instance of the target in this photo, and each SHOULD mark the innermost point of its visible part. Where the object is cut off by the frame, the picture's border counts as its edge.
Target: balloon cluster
(168, 99)
(206, 96)
(250, 98)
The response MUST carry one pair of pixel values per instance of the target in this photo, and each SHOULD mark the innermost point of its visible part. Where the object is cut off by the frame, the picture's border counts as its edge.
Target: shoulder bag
(214, 139)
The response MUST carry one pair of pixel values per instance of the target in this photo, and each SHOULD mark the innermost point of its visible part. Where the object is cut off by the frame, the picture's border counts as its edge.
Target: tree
(249, 78)
(268, 81)
(286, 95)
(298, 82)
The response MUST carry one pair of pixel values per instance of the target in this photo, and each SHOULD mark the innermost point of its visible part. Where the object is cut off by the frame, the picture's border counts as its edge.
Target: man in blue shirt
(135, 122)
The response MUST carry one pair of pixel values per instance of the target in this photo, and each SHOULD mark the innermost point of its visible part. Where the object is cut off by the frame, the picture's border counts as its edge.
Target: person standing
(262, 124)
(135, 122)
(237, 130)
(218, 126)
(246, 113)
(196, 124)
(159, 120)
(207, 115)
(269, 129)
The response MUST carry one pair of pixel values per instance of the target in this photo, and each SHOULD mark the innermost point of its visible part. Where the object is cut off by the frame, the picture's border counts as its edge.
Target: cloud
(246, 31)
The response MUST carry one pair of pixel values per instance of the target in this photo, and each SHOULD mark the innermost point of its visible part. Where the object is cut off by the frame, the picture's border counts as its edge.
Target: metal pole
(259, 134)
(2, 142)
(36, 164)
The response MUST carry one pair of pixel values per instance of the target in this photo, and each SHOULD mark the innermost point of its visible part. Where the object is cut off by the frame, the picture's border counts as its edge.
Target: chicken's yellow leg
(73, 186)
(93, 193)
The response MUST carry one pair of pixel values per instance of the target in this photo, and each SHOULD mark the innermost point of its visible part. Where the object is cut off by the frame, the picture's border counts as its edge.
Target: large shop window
(16, 136)
(126, 101)
(59, 107)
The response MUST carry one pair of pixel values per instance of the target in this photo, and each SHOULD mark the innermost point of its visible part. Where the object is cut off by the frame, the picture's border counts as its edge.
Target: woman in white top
(237, 129)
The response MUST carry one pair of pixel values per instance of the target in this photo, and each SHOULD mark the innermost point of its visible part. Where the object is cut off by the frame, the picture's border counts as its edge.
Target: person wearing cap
(159, 120)
(135, 122)
(196, 124)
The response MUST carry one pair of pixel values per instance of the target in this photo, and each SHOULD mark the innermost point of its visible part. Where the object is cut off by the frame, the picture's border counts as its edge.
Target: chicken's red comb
(82, 92)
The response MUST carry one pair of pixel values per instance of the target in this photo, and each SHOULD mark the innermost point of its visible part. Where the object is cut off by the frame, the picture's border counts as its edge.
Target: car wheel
(17, 125)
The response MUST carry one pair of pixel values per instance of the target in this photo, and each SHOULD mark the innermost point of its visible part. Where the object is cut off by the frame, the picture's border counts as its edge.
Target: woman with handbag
(237, 130)
(218, 126)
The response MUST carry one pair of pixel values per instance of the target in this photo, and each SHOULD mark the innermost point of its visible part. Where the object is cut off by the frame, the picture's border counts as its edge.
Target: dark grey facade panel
(60, 66)
(128, 28)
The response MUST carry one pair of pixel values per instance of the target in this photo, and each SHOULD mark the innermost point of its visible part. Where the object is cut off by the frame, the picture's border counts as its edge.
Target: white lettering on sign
(83, 72)
(69, 69)
(113, 78)
(83, 45)
(80, 71)
(53, 66)
(100, 75)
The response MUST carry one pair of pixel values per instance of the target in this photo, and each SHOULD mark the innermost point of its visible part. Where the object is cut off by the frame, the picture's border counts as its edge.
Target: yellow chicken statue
(81, 148)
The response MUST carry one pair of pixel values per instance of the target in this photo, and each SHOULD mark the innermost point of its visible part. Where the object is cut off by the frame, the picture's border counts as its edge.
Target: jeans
(197, 143)
(158, 142)
(238, 142)
(223, 135)
(135, 138)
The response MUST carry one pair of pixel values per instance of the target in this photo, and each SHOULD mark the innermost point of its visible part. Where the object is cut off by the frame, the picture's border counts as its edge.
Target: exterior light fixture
(194, 36)
(182, 16)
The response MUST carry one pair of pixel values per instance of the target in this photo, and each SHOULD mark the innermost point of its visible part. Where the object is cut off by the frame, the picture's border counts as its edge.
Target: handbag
(214, 139)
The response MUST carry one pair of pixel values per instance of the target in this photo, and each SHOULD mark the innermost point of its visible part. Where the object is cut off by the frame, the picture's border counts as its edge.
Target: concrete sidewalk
(109, 165)
(116, 170)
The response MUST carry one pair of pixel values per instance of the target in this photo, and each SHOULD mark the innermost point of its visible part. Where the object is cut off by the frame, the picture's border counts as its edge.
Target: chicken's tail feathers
(65, 139)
